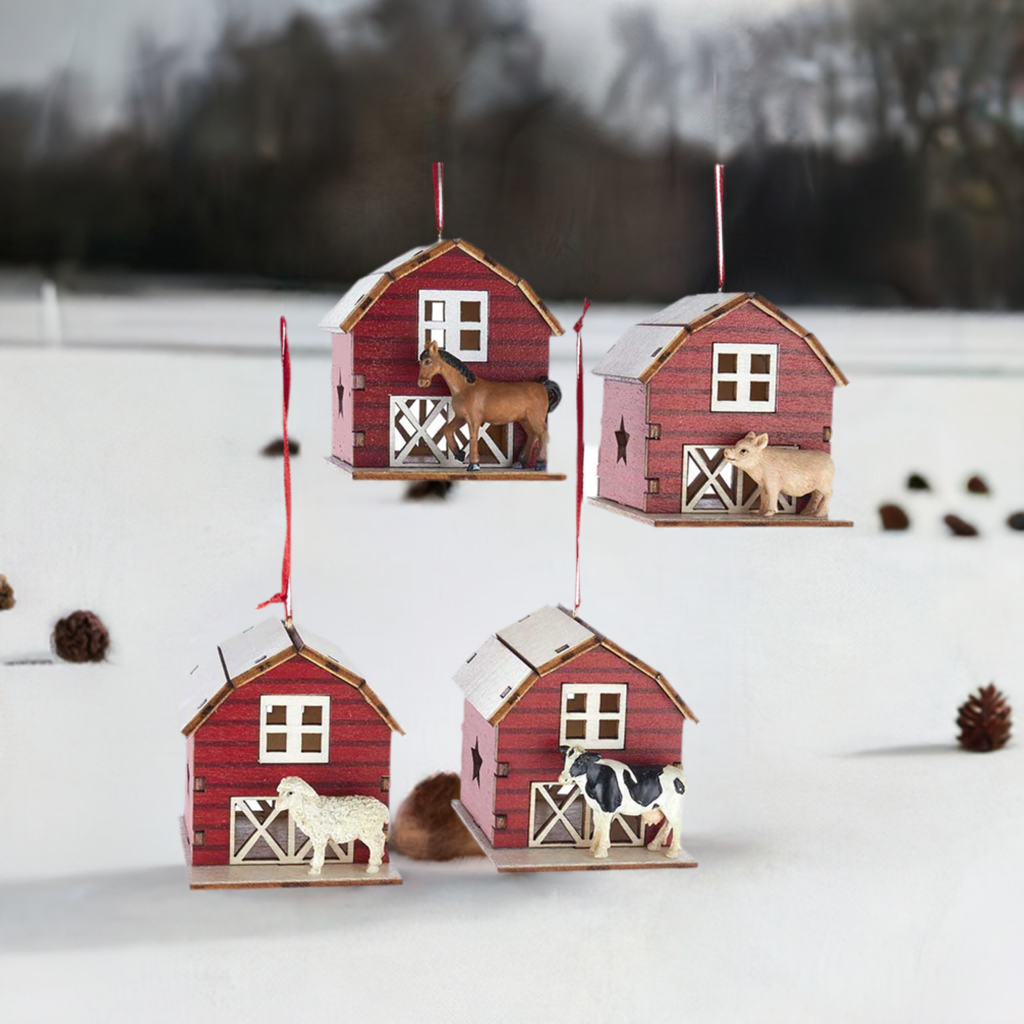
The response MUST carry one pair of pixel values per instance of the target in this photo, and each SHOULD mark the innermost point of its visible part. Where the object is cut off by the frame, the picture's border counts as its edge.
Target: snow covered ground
(855, 866)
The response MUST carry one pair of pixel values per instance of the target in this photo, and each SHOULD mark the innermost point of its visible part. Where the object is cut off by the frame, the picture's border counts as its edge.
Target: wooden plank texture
(711, 518)
(441, 473)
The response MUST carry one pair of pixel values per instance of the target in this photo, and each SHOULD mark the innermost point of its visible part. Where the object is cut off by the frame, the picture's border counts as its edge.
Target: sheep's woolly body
(341, 818)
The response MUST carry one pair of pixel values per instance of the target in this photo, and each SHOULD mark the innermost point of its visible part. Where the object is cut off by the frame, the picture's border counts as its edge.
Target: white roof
(505, 661)
(204, 681)
(351, 299)
(254, 645)
(642, 343)
(490, 675)
(329, 650)
(544, 635)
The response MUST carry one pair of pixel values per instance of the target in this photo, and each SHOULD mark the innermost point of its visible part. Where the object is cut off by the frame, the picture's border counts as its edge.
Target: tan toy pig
(791, 471)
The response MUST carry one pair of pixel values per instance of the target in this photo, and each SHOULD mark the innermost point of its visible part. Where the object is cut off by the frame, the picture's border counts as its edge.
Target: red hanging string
(719, 185)
(439, 198)
(285, 594)
(579, 444)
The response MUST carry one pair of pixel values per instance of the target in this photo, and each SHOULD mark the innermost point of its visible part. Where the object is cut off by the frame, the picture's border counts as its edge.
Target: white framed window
(743, 378)
(294, 729)
(457, 321)
(594, 715)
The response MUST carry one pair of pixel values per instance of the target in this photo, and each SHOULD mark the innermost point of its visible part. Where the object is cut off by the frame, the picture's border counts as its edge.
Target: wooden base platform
(440, 473)
(286, 876)
(713, 518)
(569, 858)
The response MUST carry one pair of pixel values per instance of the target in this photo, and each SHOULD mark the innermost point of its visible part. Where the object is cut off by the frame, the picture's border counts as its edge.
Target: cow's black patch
(582, 763)
(603, 787)
(680, 788)
(644, 784)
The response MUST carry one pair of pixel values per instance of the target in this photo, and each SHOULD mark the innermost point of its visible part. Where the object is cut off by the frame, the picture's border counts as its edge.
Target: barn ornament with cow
(270, 703)
(391, 421)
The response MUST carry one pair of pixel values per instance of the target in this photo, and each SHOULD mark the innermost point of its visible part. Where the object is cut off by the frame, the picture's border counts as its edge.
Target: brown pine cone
(984, 720)
(6, 594)
(426, 826)
(81, 637)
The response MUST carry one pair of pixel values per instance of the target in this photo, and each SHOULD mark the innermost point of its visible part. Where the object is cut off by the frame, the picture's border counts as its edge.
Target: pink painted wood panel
(680, 400)
(528, 736)
(387, 345)
(225, 751)
(341, 400)
(477, 795)
(620, 476)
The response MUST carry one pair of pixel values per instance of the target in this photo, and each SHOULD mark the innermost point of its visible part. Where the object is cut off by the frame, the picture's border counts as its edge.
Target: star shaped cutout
(341, 399)
(622, 439)
(477, 761)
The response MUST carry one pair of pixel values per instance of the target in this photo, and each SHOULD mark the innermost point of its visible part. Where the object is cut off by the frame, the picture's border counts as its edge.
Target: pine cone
(6, 594)
(984, 720)
(81, 637)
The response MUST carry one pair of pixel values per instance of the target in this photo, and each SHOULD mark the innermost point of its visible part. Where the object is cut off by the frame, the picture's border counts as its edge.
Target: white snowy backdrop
(854, 865)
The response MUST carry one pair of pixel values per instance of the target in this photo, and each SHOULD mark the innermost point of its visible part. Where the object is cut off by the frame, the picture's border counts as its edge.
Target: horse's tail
(554, 393)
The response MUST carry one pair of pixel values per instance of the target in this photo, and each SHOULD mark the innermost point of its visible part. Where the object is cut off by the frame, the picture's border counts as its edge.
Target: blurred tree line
(875, 155)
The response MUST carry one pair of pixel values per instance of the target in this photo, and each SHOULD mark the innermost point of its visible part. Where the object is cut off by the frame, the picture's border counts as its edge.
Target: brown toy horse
(476, 401)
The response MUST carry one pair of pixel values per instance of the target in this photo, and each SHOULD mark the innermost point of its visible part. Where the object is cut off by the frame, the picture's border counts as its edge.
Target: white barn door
(710, 484)
(557, 820)
(417, 434)
(262, 834)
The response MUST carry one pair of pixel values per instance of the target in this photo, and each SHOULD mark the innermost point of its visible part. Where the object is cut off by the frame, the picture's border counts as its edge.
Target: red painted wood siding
(226, 752)
(478, 796)
(625, 403)
(387, 345)
(528, 736)
(189, 754)
(680, 399)
(341, 373)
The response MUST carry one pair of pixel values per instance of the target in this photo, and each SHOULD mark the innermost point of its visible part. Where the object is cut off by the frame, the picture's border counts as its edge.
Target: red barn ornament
(386, 426)
(695, 379)
(273, 702)
(535, 694)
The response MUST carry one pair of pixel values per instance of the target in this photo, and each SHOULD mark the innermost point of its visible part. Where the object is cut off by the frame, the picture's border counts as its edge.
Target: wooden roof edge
(665, 354)
(488, 261)
(565, 657)
(207, 708)
(666, 686)
(513, 698)
(540, 306)
(801, 332)
(357, 682)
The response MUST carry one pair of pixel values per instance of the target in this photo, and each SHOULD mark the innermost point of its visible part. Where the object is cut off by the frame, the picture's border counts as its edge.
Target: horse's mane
(458, 364)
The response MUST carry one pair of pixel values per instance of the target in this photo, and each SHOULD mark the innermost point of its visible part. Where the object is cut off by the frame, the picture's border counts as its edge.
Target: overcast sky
(92, 38)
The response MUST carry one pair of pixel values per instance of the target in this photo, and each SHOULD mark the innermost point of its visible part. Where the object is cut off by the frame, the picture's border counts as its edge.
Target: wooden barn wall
(387, 346)
(189, 756)
(680, 399)
(528, 735)
(625, 403)
(227, 752)
(341, 373)
(478, 796)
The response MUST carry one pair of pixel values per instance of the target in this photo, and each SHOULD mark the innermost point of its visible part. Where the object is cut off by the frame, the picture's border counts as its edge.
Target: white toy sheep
(341, 818)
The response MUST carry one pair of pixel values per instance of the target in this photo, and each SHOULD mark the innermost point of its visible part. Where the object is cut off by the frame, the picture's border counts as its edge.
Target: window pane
(469, 341)
(727, 362)
(436, 334)
(610, 703)
(759, 391)
(434, 311)
(470, 312)
(312, 714)
(576, 729)
(727, 391)
(311, 742)
(277, 714)
(608, 729)
(277, 742)
(576, 702)
(761, 364)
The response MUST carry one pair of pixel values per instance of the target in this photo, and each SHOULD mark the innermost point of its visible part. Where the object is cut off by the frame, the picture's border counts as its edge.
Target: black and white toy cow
(611, 787)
